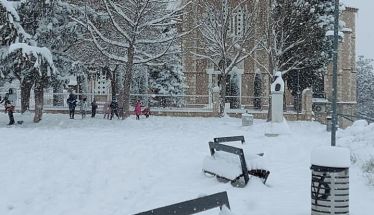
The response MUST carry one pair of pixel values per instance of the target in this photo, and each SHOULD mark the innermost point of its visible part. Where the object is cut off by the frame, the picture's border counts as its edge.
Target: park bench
(226, 167)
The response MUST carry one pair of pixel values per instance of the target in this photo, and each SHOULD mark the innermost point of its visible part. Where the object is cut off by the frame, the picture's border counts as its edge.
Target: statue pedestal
(274, 129)
(278, 123)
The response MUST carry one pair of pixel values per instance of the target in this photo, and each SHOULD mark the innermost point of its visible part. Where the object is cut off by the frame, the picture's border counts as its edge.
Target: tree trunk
(222, 95)
(39, 101)
(121, 92)
(270, 54)
(127, 83)
(26, 86)
(114, 83)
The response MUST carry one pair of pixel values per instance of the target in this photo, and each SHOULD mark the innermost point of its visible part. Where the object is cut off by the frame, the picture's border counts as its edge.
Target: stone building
(253, 81)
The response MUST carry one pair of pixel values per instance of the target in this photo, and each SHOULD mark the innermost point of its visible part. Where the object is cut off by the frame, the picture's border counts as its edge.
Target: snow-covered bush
(359, 138)
(368, 169)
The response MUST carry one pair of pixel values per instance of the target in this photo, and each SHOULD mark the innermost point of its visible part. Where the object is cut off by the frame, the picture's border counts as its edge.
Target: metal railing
(154, 101)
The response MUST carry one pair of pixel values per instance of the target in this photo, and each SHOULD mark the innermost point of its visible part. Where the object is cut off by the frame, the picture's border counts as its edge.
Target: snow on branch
(8, 6)
(40, 53)
(14, 18)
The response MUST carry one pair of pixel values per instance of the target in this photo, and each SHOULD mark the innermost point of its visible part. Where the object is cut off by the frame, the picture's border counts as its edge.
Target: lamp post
(335, 74)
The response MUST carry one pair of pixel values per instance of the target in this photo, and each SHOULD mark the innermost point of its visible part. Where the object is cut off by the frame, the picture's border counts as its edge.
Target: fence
(159, 102)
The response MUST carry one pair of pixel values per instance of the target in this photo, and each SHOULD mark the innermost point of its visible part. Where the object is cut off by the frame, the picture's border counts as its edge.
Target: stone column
(307, 103)
(277, 91)
(215, 92)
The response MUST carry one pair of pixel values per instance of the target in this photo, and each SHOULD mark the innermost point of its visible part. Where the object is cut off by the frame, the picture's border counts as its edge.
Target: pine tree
(303, 26)
(168, 78)
(38, 58)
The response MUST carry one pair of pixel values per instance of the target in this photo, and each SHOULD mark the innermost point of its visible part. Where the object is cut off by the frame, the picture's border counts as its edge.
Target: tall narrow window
(257, 91)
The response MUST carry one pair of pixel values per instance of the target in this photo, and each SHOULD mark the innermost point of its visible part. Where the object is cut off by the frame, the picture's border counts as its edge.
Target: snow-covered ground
(101, 167)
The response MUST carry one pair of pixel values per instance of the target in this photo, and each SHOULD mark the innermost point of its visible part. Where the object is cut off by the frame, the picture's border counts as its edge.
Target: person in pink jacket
(138, 109)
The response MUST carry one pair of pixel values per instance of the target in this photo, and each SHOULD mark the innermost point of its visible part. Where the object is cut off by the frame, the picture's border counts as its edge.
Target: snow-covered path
(96, 166)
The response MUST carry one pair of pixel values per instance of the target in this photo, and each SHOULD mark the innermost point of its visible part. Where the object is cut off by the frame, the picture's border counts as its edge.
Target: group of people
(110, 108)
(83, 104)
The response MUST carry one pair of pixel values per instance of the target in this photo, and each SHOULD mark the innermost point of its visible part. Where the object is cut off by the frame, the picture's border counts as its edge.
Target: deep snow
(96, 166)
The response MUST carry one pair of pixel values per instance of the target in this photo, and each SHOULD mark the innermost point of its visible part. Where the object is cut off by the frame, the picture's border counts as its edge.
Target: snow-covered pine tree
(51, 27)
(39, 57)
(168, 78)
(302, 49)
(365, 87)
(20, 58)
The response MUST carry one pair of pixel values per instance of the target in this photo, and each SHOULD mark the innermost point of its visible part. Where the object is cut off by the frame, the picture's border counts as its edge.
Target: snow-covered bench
(225, 165)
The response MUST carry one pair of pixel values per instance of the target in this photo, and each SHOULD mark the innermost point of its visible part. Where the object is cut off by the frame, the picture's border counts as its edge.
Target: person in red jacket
(138, 109)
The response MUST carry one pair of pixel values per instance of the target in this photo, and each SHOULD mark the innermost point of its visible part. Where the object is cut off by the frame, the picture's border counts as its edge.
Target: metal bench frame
(213, 147)
(192, 206)
(229, 139)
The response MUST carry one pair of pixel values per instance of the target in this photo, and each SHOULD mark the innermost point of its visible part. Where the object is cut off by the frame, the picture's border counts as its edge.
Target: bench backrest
(213, 146)
(229, 139)
(192, 206)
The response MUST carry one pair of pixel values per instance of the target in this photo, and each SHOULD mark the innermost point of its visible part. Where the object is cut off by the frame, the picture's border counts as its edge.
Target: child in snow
(106, 110)
(146, 112)
(114, 109)
(72, 102)
(83, 107)
(93, 108)
(9, 107)
(138, 109)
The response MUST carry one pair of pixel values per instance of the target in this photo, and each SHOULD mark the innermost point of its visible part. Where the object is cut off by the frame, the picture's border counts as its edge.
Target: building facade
(249, 82)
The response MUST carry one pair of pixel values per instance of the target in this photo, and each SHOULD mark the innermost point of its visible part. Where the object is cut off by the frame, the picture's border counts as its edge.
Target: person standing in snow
(93, 108)
(72, 102)
(9, 107)
(138, 109)
(106, 110)
(83, 107)
(114, 109)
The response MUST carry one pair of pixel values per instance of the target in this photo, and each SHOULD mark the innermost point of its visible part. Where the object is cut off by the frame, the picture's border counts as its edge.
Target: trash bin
(330, 181)
(328, 123)
(247, 119)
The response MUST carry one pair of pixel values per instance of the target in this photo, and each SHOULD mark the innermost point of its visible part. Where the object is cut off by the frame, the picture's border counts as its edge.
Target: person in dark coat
(9, 107)
(93, 108)
(72, 102)
(114, 109)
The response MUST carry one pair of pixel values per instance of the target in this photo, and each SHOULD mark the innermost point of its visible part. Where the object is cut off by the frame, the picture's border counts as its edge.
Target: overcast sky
(364, 26)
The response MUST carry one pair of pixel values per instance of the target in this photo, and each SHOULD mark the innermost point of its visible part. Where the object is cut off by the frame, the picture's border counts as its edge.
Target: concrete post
(277, 91)
(215, 92)
(307, 103)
